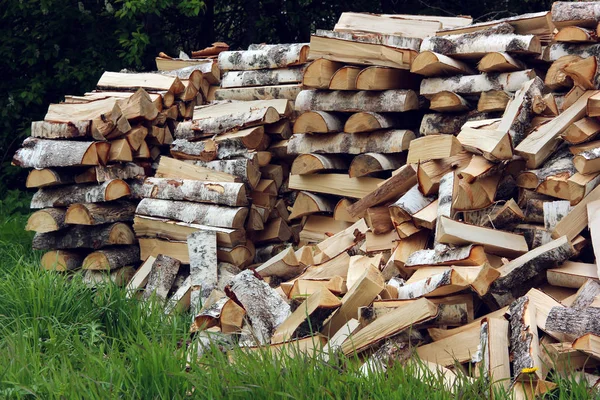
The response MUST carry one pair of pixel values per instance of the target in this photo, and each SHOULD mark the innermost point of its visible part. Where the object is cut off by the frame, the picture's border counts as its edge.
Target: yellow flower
(529, 370)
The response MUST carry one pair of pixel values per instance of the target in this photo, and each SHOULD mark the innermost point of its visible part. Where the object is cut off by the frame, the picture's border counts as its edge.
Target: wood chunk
(277, 56)
(369, 163)
(261, 77)
(524, 341)
(428, 63)
(433, 148)
(140, 278)
(501, 243)
(318, 73)
(82, 237)
(417, 26)
(593, 106)
(383, 101)
(567, 14)
(42, 153)
(283, 265)
(206, 214)
(584, 73)
(520, 110)
(574, 322)
(475, 195)
(576, 34)
(572, 274)
(62, 260)
(459, 347)
(161, 277)
(344, 78)
(336, 184)
(461, 256)
(386, 141)
(264, 307)
(60, 130)
(408, 205)
(369, 122)
(494, 145)
(389, 324)
(276, 230)
(588, 344)
(540, 144)
(39, 178)
(450, 124)
(493, 101)
(431, 172)
(448, 102)
(318, 122)
(364, 48)
(221, 171)
(500, 62)
(586, 295)
(66, 195)
(588, 162)
(475, 84)
(495, 359)
(202, 249)
(306, 164)
(97, 214)
(288, 91)
(226, 193)
(385, 78)
(307, 203)
(582, 131)
(147, 81)
(362, 293)
(574, 222)
(112, 258)
(46, 220)
(593, 216)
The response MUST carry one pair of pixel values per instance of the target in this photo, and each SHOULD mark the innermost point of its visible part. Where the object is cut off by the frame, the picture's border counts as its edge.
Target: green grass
(60, 339)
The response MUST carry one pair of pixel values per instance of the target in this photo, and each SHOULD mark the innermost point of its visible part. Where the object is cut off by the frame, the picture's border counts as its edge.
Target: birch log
(524, 340)
(60, 130)
(226, 193)
(475, 84)
(428, 63)
(202, 248)
(197, 213)
(368, 163)
(243, 168)
(162, 275)
(278, 56)
(66, 195)
(499, 38)
(409, 204)
(557, 50)
(265, 307)
(369, 122)
(575, 322)
(118, 171)
(80, 236)
(212, 125)
(112, 258)
(288, 91)
(450, 124)
(318, 122)
(47, 220)
(386, 141)
(102, 213)
(147, 81)
(207, 150)
(42, 153)
(519, 112)
(347, 101)
(566, 13)
(263, 77)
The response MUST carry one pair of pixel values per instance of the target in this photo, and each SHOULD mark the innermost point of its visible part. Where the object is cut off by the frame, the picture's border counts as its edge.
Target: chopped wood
(369, 122)
(448, 102)
(386, 141)
(442, 123)
(524, 341)
(385, 78)
(101, 213)
(493, 101)
(288, 91)
(582, 131)
(500, 62)
(85, 193)
(62, 260)
(417, 26)
(83, 237)
(576, 220)
(572, 274)
(147, 81)
(261, 77)
(520, 110)
(432, 148)
(370, 163)
(318, 73)
(307, 203)
(161, 277)
(336, 184)
(226, 193)
(318, 122)
(202, 249)
(46, 220)
(461, 256)
(495, 360)
(574, 322)
(475, 84)
(494, 145)
(582, 14)
(428, 63)
(306, 164)
(42, 153)
(277, 56)
(383, 101)
(344, 78)
(112, 258)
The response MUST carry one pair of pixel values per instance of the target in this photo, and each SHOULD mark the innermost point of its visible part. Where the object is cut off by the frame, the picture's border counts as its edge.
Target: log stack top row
(400, 182)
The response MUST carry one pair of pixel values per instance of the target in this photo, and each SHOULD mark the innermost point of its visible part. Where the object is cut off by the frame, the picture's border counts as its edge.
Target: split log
(574, 222)
(340, 211)
(344, 78)
(76, 237)
(432, 147)
(520, 110)
(493, 101)
(265, 308)
(47, 220)
(588, 344)
(205, 214)
(493, 144)
(557, 50)
(524, 341)
(119, 276)
(117, 171)
(42, 153)
(306, 164)
(427, 217)
(208, 126)
(307, 203)
(61, 130)
(572, 274)
(61, 260)
(576, 34)
(147, 81)
(308, 317)
(369, 122)
(448, 102)
(140, 278)
(444, 256)
(66, 195)
(391, 188)
(384, 101)
(224, 313)
(39, 178)
(283, 265)
(226, 193)
(584, 73)
(497, 242)
(582, 14)
(515, 274)
(120, 151)
(540, 143)
(475, 84)
(370, 163)
(318, 73)
(261, 77)
(408, 205)
(431, 172)
(451, 124)
(587, 294)
(97, 214)
(202, 249)
(112, 258)
(385, 78)
(581, 185)
(207, 150)
(574, 322)
(556, 77)
(551, 178)
(214, 171)
(499, 38)
(378, 220)
(496, 217)
(582, 131)
(500, 62)
(459, 347)
(593, 106)
(593, 216)
(277, 56)
(276, 230)
(495, 359)
(336, 184)
(364, 48)
(428, 63)
(588, 162)
(362, 293)
(387, 141)
(289, 91)
(161, 277)
(318, 122)
(390, 324)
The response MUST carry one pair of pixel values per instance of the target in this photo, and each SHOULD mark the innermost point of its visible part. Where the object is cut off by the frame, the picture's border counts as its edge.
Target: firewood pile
(401, 185)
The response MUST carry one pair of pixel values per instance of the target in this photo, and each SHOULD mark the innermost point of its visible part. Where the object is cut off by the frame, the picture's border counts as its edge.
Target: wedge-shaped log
(475, 84)
(384, 101)
(449, 102)
(386, 141)
(264, 307)
(521, 110)
(288, 91)
(369, 122)
(429, 63)
(524, 340)
(162, 275)
(271, 57)
(369, 163)
(494, 145)
(62, 260)
(495, 358)
(61, 130)
(493, 101)
(219, 171)
(318, 122)
(589, 344)
(385, 78)
(588, 162)
(431, 172)
(448, 123)
(42, 153)
(459, 347)
(576, 220)
(205, 214)
(408, 205)
(336, 184)
(461, 256)
(112, 258)
(66, 195)
(572, 274)
(344, 78)
(390, 324)
(308, 317)
(46, 220)
(433, 148)
(308, 203)
(284, 265)
(101, 213)
(318, 73)
(306, 164)
(83, 237)
(500, 62)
